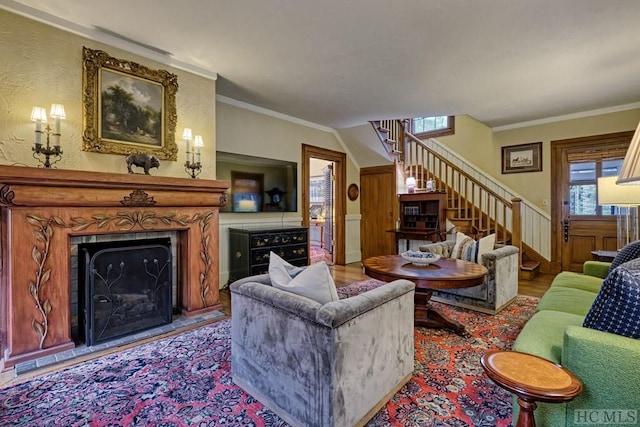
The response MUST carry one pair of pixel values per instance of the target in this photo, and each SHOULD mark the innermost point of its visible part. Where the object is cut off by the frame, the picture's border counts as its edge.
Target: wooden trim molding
(340, 202)
(41, 209)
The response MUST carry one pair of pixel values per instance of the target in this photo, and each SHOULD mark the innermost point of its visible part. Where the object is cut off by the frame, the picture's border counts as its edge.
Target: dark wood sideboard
(249, 249)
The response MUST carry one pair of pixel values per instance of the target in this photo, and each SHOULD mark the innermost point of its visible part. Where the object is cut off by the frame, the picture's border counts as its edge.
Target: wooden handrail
(469, 199)
(419, 142)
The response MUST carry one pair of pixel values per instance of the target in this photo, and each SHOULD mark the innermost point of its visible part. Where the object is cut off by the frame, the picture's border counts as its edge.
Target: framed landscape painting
(522, 158)
(128, 108)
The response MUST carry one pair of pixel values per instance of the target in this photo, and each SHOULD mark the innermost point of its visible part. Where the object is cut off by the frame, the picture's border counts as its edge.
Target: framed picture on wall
(522, 158)
(128, 108)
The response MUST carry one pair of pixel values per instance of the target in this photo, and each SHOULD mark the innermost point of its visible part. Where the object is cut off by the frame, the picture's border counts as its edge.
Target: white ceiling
(340, 63)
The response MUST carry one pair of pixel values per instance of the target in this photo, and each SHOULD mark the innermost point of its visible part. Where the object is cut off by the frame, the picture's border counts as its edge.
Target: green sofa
(607, 364)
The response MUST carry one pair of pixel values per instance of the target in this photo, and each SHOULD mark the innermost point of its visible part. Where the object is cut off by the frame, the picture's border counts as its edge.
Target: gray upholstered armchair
(321, 365)
(500, 288)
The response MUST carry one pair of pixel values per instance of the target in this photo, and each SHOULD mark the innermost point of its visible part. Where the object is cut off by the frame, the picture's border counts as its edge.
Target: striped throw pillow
(471, 250)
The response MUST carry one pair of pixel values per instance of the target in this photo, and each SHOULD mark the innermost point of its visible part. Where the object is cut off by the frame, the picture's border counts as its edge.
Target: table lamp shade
(630, 171)
(609, 193)
(627, 199)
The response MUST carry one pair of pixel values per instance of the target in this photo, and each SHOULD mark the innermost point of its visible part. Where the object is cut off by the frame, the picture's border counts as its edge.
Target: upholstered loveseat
(607, 363)
(500, 287)
(332, 364)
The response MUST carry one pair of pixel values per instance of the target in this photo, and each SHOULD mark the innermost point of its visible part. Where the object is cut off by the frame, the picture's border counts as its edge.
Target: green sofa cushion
(568, 300)
(543, 334)
(596, 268)
(569, 279)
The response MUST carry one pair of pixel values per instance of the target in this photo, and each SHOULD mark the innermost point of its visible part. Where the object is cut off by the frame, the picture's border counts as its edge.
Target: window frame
(598, 171)
(449, 130)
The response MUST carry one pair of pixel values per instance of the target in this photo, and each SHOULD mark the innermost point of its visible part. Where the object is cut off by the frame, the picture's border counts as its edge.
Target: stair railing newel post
(516, 225)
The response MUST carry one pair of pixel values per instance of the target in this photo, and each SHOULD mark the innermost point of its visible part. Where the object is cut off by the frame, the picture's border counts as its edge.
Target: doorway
(321, 212)
(327, 229)
(579, 225)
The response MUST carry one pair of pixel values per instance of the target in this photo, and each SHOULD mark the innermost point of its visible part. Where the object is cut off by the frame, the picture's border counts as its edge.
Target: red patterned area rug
(449, 386)
(317, 254)
(185, 380)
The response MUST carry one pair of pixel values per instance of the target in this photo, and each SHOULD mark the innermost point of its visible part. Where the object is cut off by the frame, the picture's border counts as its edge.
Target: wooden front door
(579, 224)
(378, 208)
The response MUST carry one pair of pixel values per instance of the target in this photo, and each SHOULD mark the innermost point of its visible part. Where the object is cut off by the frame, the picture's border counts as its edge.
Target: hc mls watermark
(605, 417)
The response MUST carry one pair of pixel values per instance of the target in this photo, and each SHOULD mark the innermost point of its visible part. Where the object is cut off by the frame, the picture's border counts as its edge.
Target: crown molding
(275, 114)
(107, 38)
(572, 116)
(267, 112)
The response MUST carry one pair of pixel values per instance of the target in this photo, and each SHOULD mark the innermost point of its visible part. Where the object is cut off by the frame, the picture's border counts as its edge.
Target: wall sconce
(411, 184)
(192, 165)
(39, 115)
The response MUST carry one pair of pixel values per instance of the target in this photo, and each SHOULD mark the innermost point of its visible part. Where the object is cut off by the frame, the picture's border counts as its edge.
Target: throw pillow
(464, 247)
(616, 309)
(485, 245)
(470, 250)
(281, 270)
(313, 282)
(629, 252)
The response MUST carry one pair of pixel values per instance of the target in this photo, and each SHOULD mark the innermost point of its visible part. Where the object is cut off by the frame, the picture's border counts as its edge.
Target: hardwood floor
(342, 276)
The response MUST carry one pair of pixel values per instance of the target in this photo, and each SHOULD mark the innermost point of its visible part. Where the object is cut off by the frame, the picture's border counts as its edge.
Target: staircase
(472, 207)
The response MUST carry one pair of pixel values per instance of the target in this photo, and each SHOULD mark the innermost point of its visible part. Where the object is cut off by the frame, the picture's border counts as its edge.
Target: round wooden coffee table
(531, 378)
(446, 273)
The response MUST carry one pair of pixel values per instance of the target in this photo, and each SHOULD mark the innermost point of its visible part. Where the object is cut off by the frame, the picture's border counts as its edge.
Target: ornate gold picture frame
(127, 108)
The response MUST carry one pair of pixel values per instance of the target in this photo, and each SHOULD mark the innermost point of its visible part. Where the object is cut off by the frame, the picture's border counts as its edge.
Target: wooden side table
(531, 378)
(606, 256)
(446, 273)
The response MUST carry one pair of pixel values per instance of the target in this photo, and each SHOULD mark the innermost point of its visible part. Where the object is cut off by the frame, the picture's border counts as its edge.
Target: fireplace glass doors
(126, 287)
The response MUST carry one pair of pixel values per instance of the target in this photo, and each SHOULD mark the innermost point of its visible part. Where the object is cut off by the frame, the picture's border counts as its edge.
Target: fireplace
(43, 210)
(125, 288)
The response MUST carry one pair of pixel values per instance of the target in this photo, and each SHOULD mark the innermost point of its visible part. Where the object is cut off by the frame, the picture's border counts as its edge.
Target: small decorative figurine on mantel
(143, 160)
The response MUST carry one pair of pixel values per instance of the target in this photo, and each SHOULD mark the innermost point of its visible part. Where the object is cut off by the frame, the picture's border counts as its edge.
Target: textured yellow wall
(249, 132)
(536, 186)
(42, 65)
(470, 141)
(482, 148)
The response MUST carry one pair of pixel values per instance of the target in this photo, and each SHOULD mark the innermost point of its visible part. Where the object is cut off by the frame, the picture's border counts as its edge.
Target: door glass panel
(583, 190)
(583, 199)
(581, 172)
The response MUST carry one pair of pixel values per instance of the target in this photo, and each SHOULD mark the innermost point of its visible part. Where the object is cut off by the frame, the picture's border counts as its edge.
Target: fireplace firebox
(125, 287)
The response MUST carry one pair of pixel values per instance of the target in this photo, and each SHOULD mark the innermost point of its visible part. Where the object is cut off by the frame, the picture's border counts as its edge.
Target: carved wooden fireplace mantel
(42, 208)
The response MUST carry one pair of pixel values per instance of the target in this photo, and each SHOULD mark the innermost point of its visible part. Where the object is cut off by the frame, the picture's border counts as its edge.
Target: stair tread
(529, 265)
(389, 141)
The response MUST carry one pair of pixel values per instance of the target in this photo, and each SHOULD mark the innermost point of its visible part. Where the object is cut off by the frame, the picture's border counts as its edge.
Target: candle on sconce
(186, 135)
(39, 115)
(198, 143)
(57, 111)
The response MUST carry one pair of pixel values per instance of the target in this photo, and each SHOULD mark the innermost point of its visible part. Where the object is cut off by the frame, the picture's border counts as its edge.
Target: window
(583, 189)
(430, 127)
